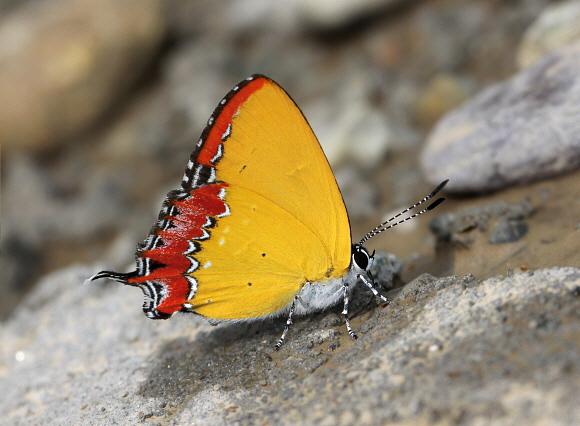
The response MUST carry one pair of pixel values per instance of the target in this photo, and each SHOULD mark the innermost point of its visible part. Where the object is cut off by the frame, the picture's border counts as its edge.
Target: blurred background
(101, 102)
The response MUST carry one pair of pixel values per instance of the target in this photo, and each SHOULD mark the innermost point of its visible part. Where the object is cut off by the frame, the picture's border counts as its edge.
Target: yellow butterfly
(259, 227)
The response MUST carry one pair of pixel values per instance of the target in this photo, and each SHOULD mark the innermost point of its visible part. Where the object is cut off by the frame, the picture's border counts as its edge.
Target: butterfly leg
(288, 322)
(345, 312)
(370, 283)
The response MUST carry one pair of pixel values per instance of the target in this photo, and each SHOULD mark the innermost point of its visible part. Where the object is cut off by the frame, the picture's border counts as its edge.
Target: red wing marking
(165, 261)
(223, 119)
(167, 258)
(210, 147)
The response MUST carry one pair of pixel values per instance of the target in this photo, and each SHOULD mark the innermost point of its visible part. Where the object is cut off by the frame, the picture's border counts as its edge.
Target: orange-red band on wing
(167, 260)
(223, 118)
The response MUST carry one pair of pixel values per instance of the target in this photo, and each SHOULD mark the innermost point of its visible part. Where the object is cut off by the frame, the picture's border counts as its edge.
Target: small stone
(442, 225)
(334, 345)
(508, 232)
(330, 320)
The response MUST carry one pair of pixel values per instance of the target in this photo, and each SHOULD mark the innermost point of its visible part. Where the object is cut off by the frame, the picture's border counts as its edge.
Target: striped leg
(288, 322)
(345, 312)
(370, 283)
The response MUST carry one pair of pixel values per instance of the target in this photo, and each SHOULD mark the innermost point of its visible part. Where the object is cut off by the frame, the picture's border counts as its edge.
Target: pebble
(508, 231)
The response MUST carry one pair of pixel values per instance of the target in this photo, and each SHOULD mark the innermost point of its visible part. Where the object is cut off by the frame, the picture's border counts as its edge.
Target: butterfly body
(258, 228)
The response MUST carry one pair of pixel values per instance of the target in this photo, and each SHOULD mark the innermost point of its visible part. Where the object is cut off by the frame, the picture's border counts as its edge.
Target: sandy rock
(523, 129)
(443, 93)
(64, 63)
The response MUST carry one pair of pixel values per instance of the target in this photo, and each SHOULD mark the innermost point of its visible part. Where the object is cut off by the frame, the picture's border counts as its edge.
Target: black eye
(361, 259)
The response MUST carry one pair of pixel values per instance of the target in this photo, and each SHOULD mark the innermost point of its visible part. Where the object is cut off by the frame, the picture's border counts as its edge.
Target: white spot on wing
(196, 175)
(228, 132)
(222, 241)
(191, 247)
(140, 266)
(194, 265)
(148, 242)
(226, 211)
(211, 178)
(207, 264)
(193, 285)
(218, 154)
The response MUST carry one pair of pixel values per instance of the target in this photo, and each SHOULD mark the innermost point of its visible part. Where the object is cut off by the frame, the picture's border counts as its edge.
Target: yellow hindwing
(287, 223)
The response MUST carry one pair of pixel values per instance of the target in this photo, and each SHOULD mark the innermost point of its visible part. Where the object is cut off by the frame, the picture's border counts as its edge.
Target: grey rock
(386, 269)
(447, 225)
(524, 129)
(44, 209)
(62, 217)
(508, 231)
(452, 350)
(555, 27)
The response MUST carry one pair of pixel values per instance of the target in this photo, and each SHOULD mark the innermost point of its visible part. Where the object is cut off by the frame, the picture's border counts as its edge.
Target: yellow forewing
(287, 224)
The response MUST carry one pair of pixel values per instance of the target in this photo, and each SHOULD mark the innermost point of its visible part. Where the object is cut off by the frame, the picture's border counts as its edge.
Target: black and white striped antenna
(380, 228)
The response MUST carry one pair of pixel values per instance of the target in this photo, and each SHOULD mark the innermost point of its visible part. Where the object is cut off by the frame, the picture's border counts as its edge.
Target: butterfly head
(362, 261)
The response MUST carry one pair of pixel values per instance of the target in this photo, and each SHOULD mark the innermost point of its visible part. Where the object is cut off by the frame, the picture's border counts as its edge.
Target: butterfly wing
(259, 214)
(287, 223)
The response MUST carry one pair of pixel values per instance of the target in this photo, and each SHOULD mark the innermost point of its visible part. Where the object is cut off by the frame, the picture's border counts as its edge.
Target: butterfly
(258, 227)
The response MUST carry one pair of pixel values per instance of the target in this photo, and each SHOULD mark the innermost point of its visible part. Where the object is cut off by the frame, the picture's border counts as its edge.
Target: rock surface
(449, 350)
(524, 129)
(555, 27)
(64, 63)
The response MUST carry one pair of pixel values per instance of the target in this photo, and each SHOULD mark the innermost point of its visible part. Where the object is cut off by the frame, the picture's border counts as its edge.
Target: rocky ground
(99, 107)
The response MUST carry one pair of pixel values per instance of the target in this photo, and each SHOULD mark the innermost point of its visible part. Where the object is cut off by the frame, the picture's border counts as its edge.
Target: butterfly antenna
(380, 228)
